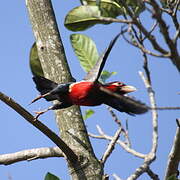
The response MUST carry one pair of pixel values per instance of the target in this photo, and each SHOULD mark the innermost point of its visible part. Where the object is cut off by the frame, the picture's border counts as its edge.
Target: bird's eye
(118, 84)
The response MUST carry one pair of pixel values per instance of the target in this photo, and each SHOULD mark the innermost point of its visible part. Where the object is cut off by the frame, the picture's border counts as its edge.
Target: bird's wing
(124, 103)
(128, 105)
(95, 72)
(44, 86)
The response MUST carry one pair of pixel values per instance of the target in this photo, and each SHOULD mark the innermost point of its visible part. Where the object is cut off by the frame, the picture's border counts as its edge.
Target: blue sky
(16, 81)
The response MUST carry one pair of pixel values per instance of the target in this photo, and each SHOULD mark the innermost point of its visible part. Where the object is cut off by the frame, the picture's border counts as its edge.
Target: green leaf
(88, 114)
(108, 8)
(82, 17)
(93, 11)
(85, 49)
(35, 64)
(105, 75)
(50, 176)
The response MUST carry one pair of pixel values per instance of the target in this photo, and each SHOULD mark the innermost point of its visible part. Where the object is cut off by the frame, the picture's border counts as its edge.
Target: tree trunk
(55, 67)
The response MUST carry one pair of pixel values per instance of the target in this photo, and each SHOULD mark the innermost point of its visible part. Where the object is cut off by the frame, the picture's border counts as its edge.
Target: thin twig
(30, 154)
(138, 45)
(138, 24)
(122, 144)
(118, 121)
(152, 174)
(177, 35)
(152, 29)
(40, 126)
(154, 112)
(128, 141)
(150, 157)
(166, 35)
(116, 177)
(176, 7)
(166, 108)
(111, 146)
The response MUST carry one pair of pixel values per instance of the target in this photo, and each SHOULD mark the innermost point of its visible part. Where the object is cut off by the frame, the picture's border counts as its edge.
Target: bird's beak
(128, 89)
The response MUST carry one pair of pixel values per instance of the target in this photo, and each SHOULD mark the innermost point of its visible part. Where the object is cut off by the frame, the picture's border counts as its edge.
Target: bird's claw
(38, 113)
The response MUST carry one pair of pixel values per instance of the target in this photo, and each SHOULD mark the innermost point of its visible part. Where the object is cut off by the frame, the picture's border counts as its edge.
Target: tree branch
(152, 174)
(143, 49)
(30, 154)
(55, 67)
(138, 24)
(116, 177)
(124, 131)
(71, 156)
(157, 14)
(122, 144)
(150, 157)
(174, 155)
(111, 146)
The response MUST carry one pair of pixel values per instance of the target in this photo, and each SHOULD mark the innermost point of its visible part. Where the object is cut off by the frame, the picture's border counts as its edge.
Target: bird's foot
(38, 113)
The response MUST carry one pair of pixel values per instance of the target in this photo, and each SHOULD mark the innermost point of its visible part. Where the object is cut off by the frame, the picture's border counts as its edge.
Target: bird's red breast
(84, 93)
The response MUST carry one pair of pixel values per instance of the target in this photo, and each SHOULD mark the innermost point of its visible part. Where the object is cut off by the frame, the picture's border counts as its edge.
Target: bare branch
(30, 154)
(117, 120)
(138, 45)
(167, 108)
(116, 177)
(152, 174)
(174, 155)
(111, 146)
(176, 7)
(164, 30)
(150, 157)
(138, 24)
(177, 35)
(141, 47)
(152, 29)
(40, 126)
(154, 113)
(122, 144)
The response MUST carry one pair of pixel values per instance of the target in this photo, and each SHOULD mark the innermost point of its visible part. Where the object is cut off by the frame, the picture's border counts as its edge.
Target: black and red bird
(89, 91)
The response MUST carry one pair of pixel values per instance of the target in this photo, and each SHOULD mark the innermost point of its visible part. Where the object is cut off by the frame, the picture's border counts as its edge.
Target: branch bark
(40, 126)
(121, 143)
(55, 67)
(174, 156)
(30, 154)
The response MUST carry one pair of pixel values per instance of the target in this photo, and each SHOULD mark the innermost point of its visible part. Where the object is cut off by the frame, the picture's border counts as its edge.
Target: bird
(90, 91)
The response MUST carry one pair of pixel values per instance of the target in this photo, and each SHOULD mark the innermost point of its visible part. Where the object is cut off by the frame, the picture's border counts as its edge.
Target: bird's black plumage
(87, 90)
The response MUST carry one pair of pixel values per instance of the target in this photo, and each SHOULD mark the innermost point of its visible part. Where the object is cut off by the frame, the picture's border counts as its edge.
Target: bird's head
(120, 87)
